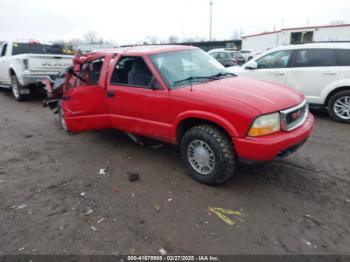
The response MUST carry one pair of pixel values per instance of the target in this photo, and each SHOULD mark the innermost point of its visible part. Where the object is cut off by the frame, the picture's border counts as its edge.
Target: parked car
(224, 57)
(25, 64)
(321, 71)
(249, 54)
(238, 56)
(181, 95)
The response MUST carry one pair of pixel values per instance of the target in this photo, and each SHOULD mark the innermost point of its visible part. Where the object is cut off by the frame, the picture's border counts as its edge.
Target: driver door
(138, 103)
(84, 102)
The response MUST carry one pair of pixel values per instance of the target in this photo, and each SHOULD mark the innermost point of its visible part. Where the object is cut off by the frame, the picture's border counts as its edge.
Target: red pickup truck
(181, 95)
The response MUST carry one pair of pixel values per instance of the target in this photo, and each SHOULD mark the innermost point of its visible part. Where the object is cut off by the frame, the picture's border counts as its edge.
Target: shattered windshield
(184, 67)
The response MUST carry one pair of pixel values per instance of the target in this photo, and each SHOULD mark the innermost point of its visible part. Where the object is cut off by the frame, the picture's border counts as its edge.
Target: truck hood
(266, 97)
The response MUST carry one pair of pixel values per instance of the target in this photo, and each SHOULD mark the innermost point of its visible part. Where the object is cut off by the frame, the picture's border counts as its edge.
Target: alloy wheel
(342, 107)
(201, 157)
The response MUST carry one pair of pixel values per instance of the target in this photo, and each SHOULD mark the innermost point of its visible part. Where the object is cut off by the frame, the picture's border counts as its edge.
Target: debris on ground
(135, 138)
(115, 189)
(21, 249)
(99, 221)
(89, 211)
(162, 251)
(311, 218)
(82, 194)
(157, 208)
(102, 172)
(222, 214)
(170, 199)
(133, 176)
(94, 228)
(157, 146)
(19, 206)
(307, 216)
(308, 243)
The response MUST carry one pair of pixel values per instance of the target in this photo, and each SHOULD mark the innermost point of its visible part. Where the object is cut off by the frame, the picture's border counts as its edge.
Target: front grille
(294, 117)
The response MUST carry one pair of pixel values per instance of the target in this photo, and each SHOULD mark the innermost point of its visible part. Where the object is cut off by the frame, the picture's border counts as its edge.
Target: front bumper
(268, 147)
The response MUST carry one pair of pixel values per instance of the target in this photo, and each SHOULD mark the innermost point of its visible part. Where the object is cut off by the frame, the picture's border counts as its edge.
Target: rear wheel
(16, 88)
(339, 106)
(61, 120)
(208, 154)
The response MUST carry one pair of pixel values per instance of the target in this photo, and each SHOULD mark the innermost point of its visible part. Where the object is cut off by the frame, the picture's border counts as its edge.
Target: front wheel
(208, 154)
(339, 106)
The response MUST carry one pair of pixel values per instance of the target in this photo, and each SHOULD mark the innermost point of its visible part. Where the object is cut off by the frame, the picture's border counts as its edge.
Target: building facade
(300, 35)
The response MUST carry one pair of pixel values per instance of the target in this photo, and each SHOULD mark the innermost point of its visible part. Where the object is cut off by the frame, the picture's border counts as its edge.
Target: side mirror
(251, 65)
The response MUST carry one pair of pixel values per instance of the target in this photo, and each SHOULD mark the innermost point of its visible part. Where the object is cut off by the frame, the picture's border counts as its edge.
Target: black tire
(16, 89)
(220, 146)
(61, 121)
(331, 106)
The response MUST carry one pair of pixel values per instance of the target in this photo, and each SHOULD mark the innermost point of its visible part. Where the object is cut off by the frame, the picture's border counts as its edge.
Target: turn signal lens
(265, 125)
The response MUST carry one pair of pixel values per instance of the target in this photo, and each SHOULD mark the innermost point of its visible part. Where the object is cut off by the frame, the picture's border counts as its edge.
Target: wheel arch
(190, 120)
(12, 72)
(333, 92)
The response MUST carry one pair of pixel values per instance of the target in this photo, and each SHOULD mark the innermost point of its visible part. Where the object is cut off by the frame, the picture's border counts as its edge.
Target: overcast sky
(129, 21)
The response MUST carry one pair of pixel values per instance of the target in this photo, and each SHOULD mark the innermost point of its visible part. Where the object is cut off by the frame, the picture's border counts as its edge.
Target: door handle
(279, 74)
(110, 93)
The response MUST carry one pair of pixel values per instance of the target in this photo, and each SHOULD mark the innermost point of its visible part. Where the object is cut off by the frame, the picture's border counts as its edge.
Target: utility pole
(211, 20)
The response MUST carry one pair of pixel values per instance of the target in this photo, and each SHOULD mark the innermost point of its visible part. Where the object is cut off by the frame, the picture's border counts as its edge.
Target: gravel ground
(54, 201)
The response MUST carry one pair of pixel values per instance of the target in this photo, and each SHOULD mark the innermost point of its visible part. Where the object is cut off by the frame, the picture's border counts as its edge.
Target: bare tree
(91, 37)
(173, 39)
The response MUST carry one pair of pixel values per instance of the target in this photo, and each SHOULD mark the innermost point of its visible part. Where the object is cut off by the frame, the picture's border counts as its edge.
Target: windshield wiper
(222, 74)
(194, 78)
(212, 77)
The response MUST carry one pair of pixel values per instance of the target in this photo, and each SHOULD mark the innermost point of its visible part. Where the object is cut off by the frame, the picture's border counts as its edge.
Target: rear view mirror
(251, 65)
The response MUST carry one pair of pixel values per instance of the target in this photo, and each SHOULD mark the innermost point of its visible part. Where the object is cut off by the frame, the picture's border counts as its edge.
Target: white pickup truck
(25, 64)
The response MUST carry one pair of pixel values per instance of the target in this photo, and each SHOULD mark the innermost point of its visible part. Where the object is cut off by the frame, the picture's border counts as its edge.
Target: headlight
(265, 125)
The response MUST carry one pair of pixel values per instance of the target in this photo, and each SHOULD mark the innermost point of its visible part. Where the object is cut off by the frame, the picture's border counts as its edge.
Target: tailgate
(49, 62)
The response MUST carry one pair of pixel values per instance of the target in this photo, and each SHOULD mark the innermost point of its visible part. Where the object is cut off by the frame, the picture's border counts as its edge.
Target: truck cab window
(133, 71)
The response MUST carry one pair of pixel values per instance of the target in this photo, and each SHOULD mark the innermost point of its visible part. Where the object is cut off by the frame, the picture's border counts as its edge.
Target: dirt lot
(53, 201)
